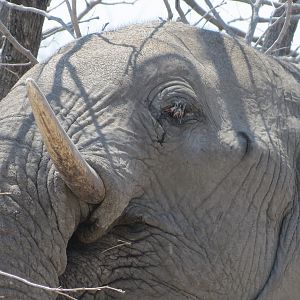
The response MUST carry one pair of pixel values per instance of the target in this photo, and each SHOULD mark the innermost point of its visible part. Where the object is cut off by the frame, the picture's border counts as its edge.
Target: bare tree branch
(37, 11)
(59, 290)
(16, 44)
(73, 15)
(56, 6)
(104, 26)
(198, 9)
(15, 65)
(284, 28)
(275, 29)
(254, 20)
(268, 29)
(168, 7)
(4, 18)
(120, 2)
(15, 74)
(239, 19)
(75, 20)
(207, 13)
(295, 6)
(267, 20)
(91, 4)
(294, 56)
(54, 30)
(218, 18)
(180, 12)
(291, 59)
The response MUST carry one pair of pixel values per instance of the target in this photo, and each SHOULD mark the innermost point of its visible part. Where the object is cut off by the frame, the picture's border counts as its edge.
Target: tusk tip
(29, 80)
(30, 83)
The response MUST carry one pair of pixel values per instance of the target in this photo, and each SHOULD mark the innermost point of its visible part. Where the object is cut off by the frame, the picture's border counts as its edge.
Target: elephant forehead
(91, 63)
(111, 57)
(240, 93)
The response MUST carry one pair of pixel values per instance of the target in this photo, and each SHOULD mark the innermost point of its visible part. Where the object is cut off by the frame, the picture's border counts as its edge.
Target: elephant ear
(108, 199)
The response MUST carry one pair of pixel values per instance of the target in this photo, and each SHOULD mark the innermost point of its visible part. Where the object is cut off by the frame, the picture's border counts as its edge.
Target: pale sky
(142, 10)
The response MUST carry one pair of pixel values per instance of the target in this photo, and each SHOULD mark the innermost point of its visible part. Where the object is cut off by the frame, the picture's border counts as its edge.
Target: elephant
(158, 161)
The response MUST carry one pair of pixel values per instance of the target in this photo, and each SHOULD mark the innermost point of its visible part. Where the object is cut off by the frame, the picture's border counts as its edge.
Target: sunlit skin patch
(176, 110)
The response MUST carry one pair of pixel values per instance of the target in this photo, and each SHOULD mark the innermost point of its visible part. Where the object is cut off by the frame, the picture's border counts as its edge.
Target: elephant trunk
(38, 215)
(23, 254)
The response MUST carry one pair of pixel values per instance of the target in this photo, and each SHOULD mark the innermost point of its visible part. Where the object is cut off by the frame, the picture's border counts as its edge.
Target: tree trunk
(27, 29)
(3, 18)
(284, 47)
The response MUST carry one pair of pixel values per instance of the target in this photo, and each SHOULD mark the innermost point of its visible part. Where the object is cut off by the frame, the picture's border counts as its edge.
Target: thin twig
(279, 49)
(218, 17)
(17, 45)
(120, 2)
(295, 6)
(15, 65)
(208, 12)
(198, 9)
(188, 11)
(291, 59)
(5, 193)
(296, 50)
(169, 10)
(116, 246)
(90, 5)
(267, 20)
(239, 19)
(284, 27)
(55, 7)
(37, 11)
(59, 290)
(54, 30)
(104, 26)
(12, 72)
(268, 29)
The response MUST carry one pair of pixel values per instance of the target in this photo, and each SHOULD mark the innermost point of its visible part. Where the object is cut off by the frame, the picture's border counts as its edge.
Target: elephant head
(160, 159)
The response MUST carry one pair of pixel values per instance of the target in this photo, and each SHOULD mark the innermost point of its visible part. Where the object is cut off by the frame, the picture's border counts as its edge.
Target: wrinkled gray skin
(207, 204)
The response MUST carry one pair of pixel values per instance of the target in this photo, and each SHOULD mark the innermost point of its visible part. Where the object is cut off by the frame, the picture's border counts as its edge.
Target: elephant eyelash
(176, 110)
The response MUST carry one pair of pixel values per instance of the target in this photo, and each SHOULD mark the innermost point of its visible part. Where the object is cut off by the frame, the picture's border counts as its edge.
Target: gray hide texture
(196, 138)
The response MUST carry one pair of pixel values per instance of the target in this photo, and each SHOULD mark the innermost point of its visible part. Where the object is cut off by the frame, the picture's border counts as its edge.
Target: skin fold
(196, 139)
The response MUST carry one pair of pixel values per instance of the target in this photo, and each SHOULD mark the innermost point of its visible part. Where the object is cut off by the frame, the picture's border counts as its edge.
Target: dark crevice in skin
(130, 260)
(158, 287)
(220, 183)
(245, 136)
(281, 234)
(161, 139)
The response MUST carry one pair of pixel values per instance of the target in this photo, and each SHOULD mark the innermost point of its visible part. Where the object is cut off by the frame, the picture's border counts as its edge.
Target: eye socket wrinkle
(175, 102)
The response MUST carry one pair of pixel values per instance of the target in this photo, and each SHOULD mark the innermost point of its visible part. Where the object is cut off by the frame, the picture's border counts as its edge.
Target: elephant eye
(175, 110)
(179, 112)
(176, 103)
